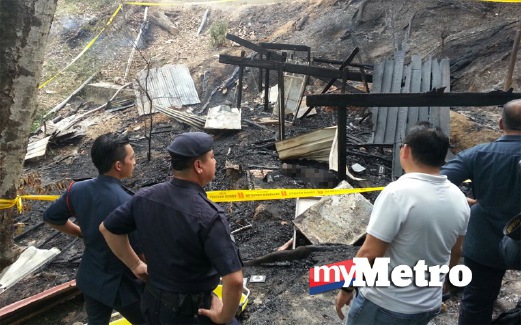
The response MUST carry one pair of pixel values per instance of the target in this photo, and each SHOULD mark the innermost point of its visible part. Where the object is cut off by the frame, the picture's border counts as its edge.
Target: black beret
(191, 144)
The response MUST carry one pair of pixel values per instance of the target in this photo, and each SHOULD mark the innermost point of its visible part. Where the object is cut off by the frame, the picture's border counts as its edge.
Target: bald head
(512, 115)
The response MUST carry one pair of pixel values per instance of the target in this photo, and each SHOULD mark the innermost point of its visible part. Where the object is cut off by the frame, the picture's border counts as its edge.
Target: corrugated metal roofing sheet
(169, 86)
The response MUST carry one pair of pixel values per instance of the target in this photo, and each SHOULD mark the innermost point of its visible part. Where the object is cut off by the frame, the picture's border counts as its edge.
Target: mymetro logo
(332, 276)
(359, 272)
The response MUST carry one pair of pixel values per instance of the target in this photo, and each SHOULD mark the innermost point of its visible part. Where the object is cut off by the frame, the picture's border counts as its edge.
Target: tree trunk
(24, 27)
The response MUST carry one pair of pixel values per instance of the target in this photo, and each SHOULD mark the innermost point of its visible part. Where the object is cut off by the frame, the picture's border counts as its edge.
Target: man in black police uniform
(106, 283)
(186, 240)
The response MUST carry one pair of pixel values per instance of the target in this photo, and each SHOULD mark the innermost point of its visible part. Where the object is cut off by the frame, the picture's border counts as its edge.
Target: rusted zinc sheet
(170, 86)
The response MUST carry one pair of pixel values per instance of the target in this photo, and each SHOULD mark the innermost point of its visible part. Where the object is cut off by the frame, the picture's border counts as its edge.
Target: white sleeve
(386, 217)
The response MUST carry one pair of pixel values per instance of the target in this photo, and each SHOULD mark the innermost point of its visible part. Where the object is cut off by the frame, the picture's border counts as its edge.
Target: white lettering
(420, 269)
(348, 277)
(364, 271)
(454, 276)
(436, 272)
(327, 271)
(401, 276)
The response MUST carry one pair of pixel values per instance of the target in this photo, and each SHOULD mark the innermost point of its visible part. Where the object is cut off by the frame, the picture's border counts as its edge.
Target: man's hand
(214, 313)
(342, 299)
(471, 202)
(231, 297)
(140, 270)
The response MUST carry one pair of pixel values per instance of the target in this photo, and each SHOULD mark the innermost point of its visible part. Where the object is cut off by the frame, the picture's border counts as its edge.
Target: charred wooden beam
(293, 68)
(337, 62)
(434, 98)
(254, 47)
(285, 47)
(341, 68)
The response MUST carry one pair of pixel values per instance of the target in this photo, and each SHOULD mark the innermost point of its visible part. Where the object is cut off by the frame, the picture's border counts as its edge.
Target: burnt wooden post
(282, 107)
(342, 135)
(239, 90)
(267, 86)
(260, 75)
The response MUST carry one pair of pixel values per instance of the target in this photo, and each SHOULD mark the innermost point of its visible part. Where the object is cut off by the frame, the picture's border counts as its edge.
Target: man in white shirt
(420, 217)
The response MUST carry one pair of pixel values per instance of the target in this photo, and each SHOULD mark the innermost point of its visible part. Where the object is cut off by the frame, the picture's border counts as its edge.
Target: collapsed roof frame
(275, 61)
(433, 98)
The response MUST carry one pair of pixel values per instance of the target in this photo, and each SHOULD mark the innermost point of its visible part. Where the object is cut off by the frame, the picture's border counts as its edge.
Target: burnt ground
(477, 37)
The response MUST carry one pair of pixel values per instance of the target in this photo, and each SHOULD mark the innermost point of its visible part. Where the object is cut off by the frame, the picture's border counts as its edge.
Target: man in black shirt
(105, 282)
(186, 240)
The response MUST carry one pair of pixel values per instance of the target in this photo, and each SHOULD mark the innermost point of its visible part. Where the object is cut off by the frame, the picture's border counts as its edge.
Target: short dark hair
(428, 144)
(511, 115)
(107, 149)
(182, 163)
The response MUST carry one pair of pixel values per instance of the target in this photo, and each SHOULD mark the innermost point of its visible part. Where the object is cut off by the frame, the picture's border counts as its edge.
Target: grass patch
(218, 33)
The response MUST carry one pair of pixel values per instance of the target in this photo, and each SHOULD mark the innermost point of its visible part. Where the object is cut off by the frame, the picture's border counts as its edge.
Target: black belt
(182, 304)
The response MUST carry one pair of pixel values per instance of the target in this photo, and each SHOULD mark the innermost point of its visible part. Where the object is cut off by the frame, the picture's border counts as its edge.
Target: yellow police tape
(225, 196)
(174, 3)
(281, 194)
(84, 50)
(6, 204)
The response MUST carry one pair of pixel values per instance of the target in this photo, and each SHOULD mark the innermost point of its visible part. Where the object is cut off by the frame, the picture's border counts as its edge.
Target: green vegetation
(218, 33)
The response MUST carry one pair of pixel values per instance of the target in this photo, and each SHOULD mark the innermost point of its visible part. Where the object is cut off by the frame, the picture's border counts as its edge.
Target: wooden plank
(294, 86)
(381, 122)
(27, 308)
(445, 82)
(285, 47)
(396, 87)
(434, 112)
(425, 87)
(414, 111)
(378, 73)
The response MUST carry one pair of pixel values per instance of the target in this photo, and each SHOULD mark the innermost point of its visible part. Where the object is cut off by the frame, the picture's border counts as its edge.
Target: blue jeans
(365, 312)
(479, 295)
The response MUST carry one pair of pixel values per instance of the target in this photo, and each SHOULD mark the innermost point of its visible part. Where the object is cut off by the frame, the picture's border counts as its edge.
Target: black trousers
(477, 303)
(99, 313)
(156, 312)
